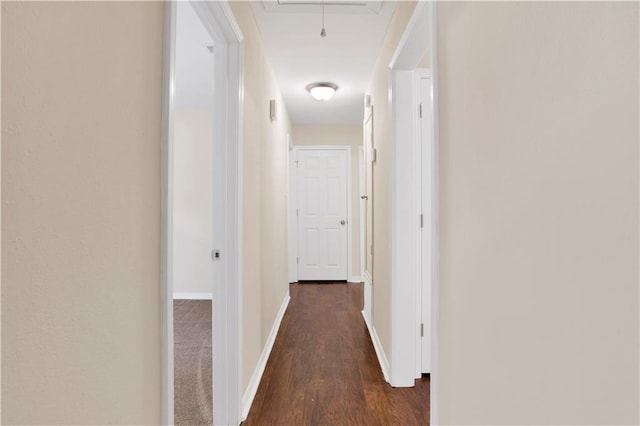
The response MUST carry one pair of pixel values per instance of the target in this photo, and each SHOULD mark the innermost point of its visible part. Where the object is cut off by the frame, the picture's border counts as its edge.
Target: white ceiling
(194, 62)
(290, 31)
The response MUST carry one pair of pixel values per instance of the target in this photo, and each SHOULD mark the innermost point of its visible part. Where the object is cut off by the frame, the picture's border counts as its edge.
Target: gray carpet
(192, 362)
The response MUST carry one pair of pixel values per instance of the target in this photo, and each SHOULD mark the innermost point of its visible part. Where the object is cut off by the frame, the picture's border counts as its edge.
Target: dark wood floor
(323, 369)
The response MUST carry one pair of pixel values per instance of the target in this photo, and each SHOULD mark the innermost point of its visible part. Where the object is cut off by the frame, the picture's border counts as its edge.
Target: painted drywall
(340, 135)
(264, 196)
(81, 115)
(538, 213)
(192, 201)
(379, 90)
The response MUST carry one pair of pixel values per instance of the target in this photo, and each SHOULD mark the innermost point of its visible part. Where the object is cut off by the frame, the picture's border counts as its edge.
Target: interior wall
(379, 90)
(538, 213)
(264, 196)
(340, 135)
(192, 201)
(81, 132)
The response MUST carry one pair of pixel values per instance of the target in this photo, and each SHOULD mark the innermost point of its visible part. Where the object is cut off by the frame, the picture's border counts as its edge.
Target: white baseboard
(252, 388)
(382, 358)
(355, 280)
(193, 296)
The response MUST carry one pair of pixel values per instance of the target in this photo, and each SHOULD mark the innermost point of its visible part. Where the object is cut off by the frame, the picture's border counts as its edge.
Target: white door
(368, 161)
(322, 214)
(426, 145)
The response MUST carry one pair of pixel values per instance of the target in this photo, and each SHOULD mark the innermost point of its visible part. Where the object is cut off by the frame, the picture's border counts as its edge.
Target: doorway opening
(403, 150)
(200, 210)
(414, 212)
(192, 212)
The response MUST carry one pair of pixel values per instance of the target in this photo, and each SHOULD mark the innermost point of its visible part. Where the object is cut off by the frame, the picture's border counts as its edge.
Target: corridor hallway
(323, 369)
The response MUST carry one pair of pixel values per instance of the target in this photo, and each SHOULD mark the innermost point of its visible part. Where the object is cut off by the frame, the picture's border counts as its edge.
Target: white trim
(192, 296)
(168, 82)
(361, 207)
(355, 279)
(434, 410)
(252, 388)
(418, 240)
(346, 148)
(377, 346)
(349, 215)
(292, 218)
(415, 40)
(218, 19)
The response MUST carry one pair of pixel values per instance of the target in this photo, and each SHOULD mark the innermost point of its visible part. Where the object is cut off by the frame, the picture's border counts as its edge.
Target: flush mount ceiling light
(322, 91)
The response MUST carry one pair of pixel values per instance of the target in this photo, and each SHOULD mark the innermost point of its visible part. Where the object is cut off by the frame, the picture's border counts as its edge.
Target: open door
(367, 198)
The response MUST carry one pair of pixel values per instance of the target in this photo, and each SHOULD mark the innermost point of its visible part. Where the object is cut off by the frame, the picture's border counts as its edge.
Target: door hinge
(421, 220)
(297, 260)
(374, 155)
(297, 212)
(421, 330)
(420, 110)
(371, 249)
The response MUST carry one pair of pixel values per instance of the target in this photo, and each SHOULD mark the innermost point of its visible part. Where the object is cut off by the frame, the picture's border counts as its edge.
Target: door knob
(342, 222)
(364, 197)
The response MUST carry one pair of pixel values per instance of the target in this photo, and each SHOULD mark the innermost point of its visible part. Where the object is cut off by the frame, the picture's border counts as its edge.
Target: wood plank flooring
(323, 369)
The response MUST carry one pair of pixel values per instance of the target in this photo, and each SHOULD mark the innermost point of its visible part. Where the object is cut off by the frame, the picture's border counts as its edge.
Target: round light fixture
(322, 91)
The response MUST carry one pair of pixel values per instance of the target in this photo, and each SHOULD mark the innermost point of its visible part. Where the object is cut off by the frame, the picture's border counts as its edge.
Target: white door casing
(218, 19)
(405, 182)
(322, 214)
(292, 220)
(418, 39)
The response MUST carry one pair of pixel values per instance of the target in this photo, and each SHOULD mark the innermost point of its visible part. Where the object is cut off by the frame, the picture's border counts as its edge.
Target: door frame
(419, 37)
(293, 218)
(218, 19)
(292, 203)
(361, 209)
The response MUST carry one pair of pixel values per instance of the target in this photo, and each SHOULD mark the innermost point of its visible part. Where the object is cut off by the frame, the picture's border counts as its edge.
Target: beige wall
(265, 280)
(379, 90)
(340, 135)
(81, 111)
(538, 213)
